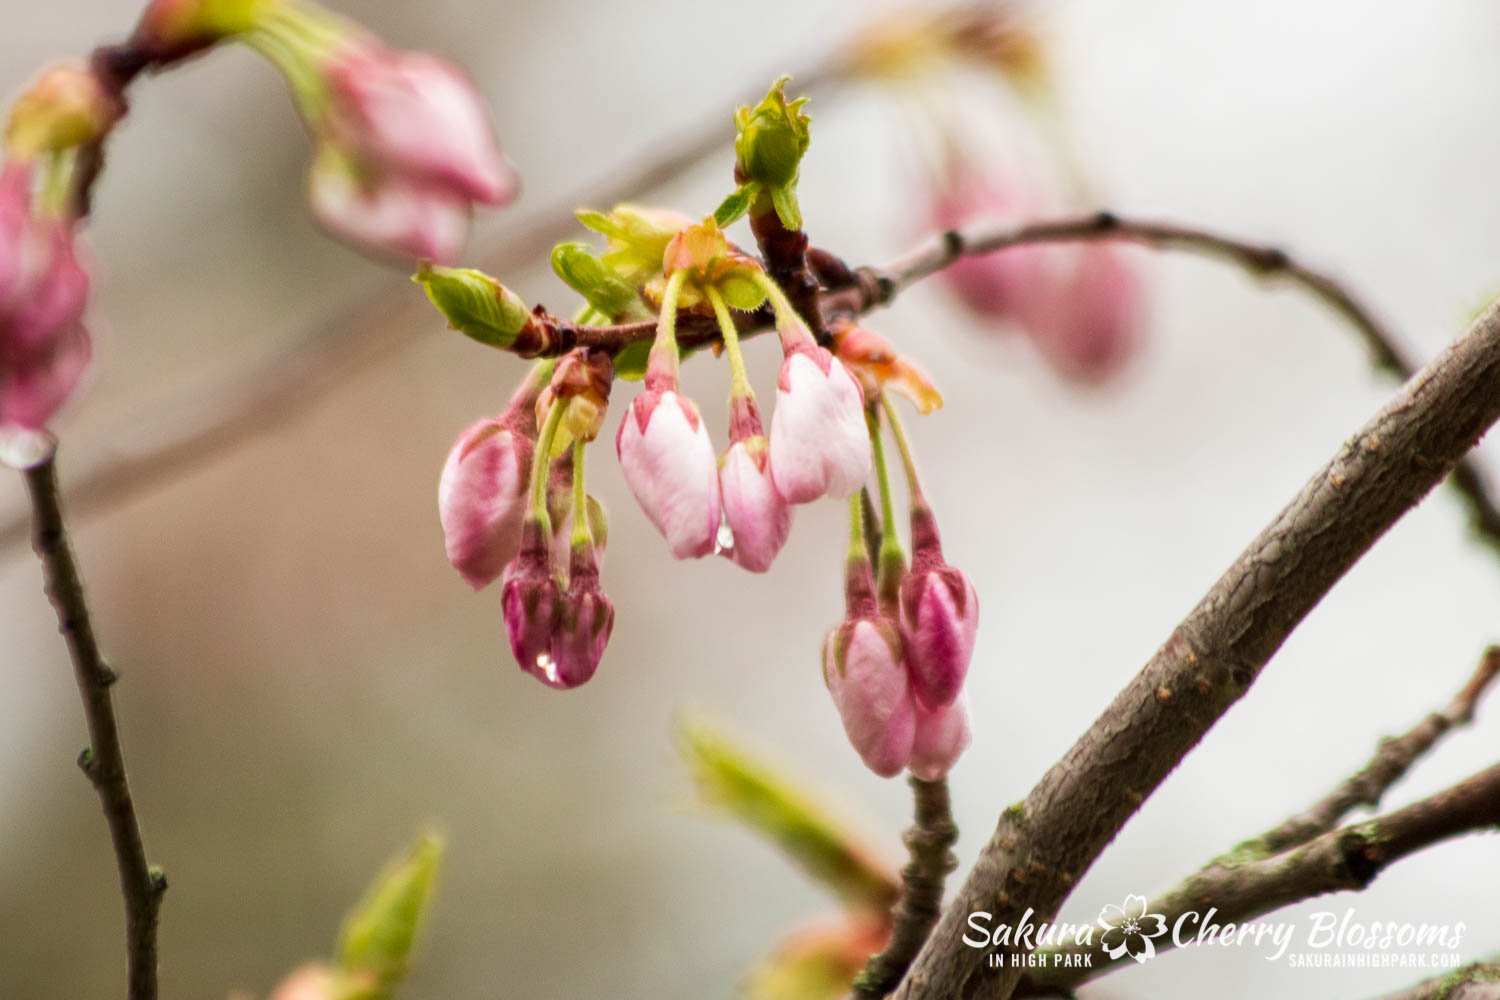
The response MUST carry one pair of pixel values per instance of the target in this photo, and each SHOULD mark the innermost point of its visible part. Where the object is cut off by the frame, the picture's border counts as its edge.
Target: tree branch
(1230, 872)
(930, 841)
(1480, 981)
(1213, 657)
(103, 760)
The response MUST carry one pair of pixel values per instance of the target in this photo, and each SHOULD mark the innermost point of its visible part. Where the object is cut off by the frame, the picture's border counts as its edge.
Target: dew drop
(547, 666)
(724, 540)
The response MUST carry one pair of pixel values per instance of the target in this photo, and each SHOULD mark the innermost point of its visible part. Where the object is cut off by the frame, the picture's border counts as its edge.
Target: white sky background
(306, 681)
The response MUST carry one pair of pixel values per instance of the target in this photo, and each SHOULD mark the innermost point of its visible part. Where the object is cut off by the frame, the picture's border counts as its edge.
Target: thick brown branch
(1213, 657)
(1197, 892)
(1480, 981)
(930, 841)
(103, 760)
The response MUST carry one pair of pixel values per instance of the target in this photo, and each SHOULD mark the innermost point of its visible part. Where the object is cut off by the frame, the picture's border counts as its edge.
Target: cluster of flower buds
(507, 481)
(44, 284)
(404, 148)
(896, 665)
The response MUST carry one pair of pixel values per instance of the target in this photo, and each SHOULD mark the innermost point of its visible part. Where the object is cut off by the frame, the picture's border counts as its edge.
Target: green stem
(857, 545)
(582, 535)
(537, 508)
(892, 556)
(789, 323)
(739, 382)
(903, 445)
(664, 350)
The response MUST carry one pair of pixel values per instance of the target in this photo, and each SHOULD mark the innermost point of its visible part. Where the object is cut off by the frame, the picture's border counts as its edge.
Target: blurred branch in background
(1480, 981)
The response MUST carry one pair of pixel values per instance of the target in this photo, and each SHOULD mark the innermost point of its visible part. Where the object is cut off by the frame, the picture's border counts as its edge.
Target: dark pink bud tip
(941, 612)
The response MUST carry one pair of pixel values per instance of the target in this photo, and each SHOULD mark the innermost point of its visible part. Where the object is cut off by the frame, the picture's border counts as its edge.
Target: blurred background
(307, 682)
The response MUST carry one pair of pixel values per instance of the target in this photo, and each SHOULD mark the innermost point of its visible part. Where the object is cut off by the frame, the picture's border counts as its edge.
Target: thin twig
(1197, 892)
(1042, 846)
(930, 841)
(103, 760)
(1341, 860)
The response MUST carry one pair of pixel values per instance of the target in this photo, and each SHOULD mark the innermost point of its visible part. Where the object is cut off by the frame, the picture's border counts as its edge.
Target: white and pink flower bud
(941, 613)
(864, 666)
(1009, 284)
(388, 215)
(482, 499)
(942, 736)
(531, 601)
(1097, 321)
(413, 115)
(583, 625)
(758, 518)
(671, 468)
(820, 445)
(310, 982)
(44, 347)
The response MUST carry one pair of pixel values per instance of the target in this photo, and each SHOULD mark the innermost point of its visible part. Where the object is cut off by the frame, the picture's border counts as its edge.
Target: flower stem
(790, 325)
(582, 534)
(858, 547)
(892, 557)
(537, 508)
(739, 382)
(903, 445)
(663, 360)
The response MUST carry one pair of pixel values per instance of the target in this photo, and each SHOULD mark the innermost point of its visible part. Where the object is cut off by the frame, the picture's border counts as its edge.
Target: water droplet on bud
(547, 666)
(724, 540)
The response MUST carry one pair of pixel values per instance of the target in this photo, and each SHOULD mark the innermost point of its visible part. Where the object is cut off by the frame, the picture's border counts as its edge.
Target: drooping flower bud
(389, 216)
(1014, 284)
(941, 738)
(772, 138)
(864, 666)
(311, 982)
(413, 115)
(670, 466)
(44, 347)
(820, 445)
(482, 499)
(583, 625)
(63, 108)
(759, 519)
(531, 601)
(941, 613)
(1097, 321)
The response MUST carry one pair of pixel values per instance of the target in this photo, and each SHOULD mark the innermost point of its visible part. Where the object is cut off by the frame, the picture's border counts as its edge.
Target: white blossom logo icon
(1128, 929)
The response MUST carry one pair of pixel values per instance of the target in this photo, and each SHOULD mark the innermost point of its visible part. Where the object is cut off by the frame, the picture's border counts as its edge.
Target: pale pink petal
(819, 442)
(482, 500)
(388, 216)
(867, 678)
(941, 738)
(758, 517)
(670, 466)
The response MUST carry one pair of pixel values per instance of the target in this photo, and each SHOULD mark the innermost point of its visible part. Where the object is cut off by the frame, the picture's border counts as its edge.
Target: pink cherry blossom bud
(1097, 322)
(44, 347)
(941, 738)
(862, 665)
(758, 518)
(1009, 284)
(820, 444)
(387, 215)
(671, 468)
(583, 627)
(416, 116)
(531, 601)
(941, 613)
(482, 499)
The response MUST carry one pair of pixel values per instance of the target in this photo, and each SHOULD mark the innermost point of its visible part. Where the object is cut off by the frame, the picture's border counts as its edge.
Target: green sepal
(380, 932)
(784, 200)
(737, 204)
(773, 137)
(474, 303)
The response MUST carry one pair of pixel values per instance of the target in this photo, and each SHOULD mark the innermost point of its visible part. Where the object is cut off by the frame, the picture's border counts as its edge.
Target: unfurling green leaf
(737, 204)
(732, 780)
(773, 136)
(381, 931)
(817, 963)
(474, 303)
(610, 295)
